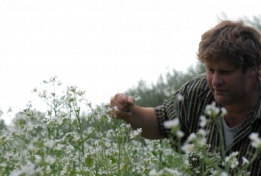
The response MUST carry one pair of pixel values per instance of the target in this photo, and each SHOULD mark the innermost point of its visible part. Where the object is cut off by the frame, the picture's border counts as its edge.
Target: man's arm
(137, 117)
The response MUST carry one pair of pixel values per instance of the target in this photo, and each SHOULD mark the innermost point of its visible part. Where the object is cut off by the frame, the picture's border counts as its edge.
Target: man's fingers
(131, 101)
(121, 106)
(122, 114)
(118, 114)
(123, 102)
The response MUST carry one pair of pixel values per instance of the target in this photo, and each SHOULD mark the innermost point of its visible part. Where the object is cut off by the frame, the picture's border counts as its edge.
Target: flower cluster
(73, 138)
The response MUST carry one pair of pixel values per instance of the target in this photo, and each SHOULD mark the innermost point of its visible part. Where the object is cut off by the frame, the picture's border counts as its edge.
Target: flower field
(74, 138)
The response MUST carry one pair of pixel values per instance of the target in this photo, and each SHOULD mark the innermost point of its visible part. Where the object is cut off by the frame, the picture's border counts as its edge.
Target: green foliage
(155, 94)
(2, 124)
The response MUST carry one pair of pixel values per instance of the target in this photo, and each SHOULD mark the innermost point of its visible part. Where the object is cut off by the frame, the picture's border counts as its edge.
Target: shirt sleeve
(166, 112)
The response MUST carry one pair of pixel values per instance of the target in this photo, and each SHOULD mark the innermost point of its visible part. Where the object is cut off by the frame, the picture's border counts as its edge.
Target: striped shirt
(196, 95)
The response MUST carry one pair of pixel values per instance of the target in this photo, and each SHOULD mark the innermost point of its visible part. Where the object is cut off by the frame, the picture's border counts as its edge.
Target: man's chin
(221, 100)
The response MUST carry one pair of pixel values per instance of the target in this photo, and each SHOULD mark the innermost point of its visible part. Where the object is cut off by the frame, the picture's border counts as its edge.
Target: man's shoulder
(199, 82)
(202, 76)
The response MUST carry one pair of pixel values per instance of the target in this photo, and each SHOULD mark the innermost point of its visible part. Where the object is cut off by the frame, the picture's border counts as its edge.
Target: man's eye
(226, 72)
(211, 70)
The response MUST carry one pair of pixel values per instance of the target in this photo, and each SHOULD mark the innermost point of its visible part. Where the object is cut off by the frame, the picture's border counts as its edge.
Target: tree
(154, 94)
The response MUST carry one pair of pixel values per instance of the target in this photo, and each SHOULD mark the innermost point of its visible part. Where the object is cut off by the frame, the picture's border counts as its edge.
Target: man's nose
(217, 79)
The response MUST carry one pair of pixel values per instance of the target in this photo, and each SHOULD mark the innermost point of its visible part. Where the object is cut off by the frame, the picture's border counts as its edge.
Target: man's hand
(121, 106)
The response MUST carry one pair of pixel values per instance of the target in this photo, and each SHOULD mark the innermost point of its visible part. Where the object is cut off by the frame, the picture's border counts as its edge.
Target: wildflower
(191, 137)
(137, 98)
(223, 111)
(217, 173)
(179, 134)
(212, 109)
(232, 160)
(202, 141)
(171, 123)
(256, 141)
(115, 108)
(49, 160)
(223, 174)
(202, 132)
(174, 172)
(48, 169)
(29, 126)
(28, 169)
(188, 148)
(180, 97)
(152, 172)
(203, 121)
(245, 161)
(3, 164)
(128, 126)
(136, 133)
(49, 144)
(38, 159)
(59, 147)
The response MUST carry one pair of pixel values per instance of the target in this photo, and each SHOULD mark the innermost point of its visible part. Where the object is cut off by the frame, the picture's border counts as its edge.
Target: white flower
(245, 161)
(203, 121)
(49, 160)
(49, 143)
(173, 171)
(171, 123)
(212, 108)
(223, 174)
(256, 141)
(188, 148)
(191, 137)
(179, 134)
(59, 147)
(29, 126)
(180, 97)
(232, 160)
(115, 108)
(38, 159)
(223, 111)
(136, 133)
(137, 97)
(202, 141)
(48, 169)
(3, 164)
(128, 126)
(202, 132)
(153, 172)
(28, 169)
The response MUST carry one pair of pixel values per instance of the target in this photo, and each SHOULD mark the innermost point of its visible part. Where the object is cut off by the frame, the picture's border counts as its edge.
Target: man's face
(227, 83)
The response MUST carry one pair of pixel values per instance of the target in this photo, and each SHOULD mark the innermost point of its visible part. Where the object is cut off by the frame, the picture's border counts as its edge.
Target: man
(231, 53)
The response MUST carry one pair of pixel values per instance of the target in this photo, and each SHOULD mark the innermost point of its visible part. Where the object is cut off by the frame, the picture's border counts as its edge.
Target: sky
(103, 47)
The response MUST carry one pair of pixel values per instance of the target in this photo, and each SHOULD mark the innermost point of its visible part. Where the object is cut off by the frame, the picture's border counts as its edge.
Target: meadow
(74, 138)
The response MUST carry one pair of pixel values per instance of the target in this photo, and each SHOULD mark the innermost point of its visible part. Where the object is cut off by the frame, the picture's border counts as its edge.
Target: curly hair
(231, 41)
